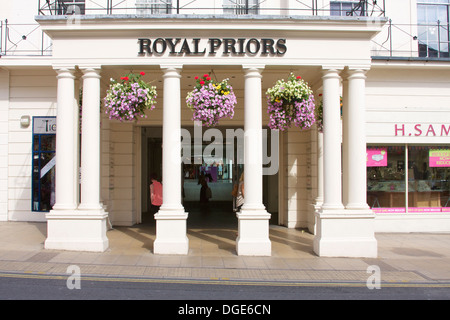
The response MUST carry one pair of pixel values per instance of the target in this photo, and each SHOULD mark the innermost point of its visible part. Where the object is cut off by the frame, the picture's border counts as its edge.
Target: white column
(90, 141)
(332, 189)
(342, 232)
(355, 142)
(253, 235)
(171, 218)
(81, 228)
(66, 133)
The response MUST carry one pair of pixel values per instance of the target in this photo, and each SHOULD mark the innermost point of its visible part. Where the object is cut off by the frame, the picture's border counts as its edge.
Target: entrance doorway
(214, 155)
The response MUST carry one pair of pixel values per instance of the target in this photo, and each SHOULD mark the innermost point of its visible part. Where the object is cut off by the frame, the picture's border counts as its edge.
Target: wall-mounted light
(25, 121)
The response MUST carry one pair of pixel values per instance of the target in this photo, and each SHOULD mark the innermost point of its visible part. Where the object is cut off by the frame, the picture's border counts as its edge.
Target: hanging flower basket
(128, 99)
(319, 113)
(290, 102)
(210, 101)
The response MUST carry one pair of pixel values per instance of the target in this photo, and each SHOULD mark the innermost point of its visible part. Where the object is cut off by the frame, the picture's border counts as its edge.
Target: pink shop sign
(389, 210)
(377, 157)
(439, 158)
(411, 209)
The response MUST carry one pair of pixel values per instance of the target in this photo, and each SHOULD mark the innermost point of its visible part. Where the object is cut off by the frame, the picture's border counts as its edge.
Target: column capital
(172, 71)
(255, 69)
(91, 72)
(64, 72)
(355, 73)
(330, 73)
(171, 67)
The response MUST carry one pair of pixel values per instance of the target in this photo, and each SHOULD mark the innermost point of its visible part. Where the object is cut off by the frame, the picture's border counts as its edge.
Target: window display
(44, 160)
(386, 177)
(423, 186)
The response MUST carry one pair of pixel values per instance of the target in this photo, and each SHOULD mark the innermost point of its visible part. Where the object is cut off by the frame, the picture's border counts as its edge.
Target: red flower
(142, 73)
(196, 78)
(299, 77)
(202, 82)
(205, 75)
(124, 78)
(208, 78)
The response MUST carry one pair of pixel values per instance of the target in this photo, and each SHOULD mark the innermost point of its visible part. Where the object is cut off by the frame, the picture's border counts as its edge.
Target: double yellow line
(225, 281)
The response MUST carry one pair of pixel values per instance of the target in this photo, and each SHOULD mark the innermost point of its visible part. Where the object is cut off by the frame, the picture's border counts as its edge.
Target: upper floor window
(433, 28)
(241, 6)
(346, 8)
(153, 6)
(70, 6)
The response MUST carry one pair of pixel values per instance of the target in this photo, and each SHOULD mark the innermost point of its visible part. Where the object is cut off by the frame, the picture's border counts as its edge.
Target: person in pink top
(156, 196)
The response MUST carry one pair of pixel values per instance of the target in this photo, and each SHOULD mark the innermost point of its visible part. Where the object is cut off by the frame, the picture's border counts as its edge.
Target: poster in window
(439, 157)
(377, 157)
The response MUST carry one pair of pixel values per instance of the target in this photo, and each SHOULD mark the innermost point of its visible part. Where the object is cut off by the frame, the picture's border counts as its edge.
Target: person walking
(156, 196)
(241, 193)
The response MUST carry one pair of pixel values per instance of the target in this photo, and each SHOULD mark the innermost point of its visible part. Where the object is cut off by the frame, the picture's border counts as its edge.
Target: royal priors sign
(211, 46)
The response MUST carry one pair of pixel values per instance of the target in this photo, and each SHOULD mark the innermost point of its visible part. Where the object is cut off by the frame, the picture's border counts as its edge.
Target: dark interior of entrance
(220, 170)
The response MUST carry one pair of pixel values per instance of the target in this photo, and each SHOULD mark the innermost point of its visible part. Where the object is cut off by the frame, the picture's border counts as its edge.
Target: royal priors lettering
(211, 46)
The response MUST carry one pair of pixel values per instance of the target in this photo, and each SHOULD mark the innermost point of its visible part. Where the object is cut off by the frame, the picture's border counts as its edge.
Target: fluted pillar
(171, 218)
(253, 219)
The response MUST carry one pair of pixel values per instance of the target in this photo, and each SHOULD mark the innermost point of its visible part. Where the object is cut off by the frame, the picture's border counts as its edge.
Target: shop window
(421, 186)
(429, 170)
(386, 177)
(43, 163)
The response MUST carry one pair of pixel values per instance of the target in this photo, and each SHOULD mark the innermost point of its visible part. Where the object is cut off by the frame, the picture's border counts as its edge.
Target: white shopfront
(246, 50)
(407, 126)
(322, 178)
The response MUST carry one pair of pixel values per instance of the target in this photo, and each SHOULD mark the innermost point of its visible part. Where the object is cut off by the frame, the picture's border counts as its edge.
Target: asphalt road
(45, 287)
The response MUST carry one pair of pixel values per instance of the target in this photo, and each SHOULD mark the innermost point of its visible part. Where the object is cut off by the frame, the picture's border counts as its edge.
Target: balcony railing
(226, 7)
(412, 41)
(402, 41)
(23, 40)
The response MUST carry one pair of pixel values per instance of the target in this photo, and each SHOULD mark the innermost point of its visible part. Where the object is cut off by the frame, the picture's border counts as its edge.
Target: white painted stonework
(322, 180)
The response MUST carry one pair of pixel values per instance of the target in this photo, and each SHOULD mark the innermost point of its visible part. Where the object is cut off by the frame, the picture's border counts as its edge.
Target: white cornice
(67, 25)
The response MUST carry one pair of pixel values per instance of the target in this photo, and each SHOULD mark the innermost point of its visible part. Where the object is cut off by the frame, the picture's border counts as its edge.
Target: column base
(345, 233)
(253, 233)
(77, 230)
(171, 235)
